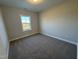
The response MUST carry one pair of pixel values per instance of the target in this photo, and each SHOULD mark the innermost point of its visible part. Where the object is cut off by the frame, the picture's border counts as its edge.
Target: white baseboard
(46, 35)
(8, 52)
(60, 38)
(22, 37)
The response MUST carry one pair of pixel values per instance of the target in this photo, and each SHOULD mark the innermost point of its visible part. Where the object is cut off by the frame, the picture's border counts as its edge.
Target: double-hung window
(26, 22)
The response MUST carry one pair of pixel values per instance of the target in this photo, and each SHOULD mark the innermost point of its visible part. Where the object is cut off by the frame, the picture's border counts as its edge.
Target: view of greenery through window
(26, 23)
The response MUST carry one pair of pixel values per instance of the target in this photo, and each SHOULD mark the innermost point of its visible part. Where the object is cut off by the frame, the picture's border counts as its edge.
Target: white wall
(4, 44)
(61, 21)
(13, 22)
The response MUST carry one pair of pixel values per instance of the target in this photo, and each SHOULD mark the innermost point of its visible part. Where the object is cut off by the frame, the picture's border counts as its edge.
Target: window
(26, 22)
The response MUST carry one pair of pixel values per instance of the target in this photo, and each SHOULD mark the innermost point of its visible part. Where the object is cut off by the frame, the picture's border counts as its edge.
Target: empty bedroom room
(38, 29)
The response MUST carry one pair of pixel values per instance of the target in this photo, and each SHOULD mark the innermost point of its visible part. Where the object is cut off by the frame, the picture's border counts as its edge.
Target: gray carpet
(41, 47)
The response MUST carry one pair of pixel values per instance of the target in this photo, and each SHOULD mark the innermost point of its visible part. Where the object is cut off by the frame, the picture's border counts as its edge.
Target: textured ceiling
(24, 4)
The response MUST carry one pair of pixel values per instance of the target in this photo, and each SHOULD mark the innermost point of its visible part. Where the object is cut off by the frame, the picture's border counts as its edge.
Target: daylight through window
(26, 22)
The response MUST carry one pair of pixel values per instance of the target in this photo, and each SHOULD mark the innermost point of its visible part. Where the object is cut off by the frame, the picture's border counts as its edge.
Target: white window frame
(22, 25)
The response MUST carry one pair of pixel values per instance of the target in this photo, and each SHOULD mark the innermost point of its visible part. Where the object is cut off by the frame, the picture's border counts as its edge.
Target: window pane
(26, 23)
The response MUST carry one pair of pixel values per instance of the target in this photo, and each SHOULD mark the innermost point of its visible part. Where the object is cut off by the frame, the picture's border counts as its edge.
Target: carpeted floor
(42, 47)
